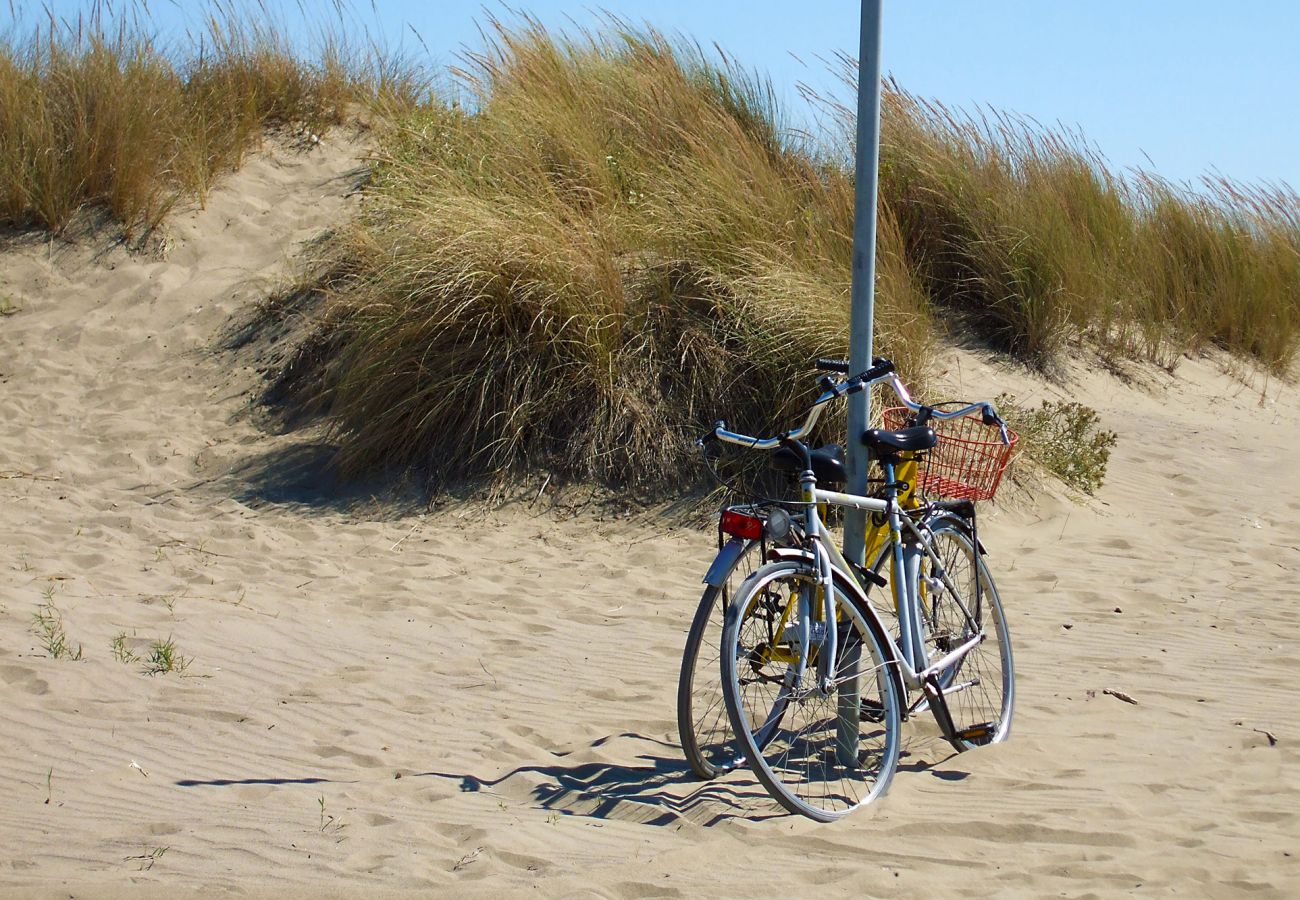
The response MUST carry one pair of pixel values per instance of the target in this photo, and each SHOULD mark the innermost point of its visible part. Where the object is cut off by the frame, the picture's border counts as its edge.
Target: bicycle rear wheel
(702, 723)
(958, 601)
(820, 753)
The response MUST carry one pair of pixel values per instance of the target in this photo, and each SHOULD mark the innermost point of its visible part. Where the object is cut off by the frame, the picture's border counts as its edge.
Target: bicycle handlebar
(882, 370)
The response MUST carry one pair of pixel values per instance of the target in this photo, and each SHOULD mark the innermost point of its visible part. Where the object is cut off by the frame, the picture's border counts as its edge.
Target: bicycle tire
(702, 723)
(980, 688)
(802, 735)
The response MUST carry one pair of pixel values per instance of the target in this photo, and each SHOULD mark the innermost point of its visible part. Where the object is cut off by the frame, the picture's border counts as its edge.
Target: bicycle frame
(910, 657)
(909, 652)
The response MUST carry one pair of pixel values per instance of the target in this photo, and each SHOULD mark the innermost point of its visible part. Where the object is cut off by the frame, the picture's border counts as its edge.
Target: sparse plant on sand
(164, 658)
(147, 859)
(121, 652)
(48, 624)
(7, 306)
(329, 824)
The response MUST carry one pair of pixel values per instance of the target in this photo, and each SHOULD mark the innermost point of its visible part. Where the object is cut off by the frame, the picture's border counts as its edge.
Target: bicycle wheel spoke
(810, 743)
(979, 687)
(702, 722)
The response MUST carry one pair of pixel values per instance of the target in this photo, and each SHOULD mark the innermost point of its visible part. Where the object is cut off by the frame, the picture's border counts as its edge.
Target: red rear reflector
(741, 525)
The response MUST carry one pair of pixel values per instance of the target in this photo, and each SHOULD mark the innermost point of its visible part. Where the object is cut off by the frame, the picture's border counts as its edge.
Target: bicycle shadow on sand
(662, 791)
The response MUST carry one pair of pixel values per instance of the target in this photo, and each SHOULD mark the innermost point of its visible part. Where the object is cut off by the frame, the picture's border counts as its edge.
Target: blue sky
(1183, 88)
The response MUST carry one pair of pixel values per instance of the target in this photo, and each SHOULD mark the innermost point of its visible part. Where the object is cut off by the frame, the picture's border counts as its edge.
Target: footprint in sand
(26, 678)
(329, 751)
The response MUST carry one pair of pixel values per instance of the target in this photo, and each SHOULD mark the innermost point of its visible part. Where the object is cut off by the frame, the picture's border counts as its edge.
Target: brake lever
(704, 439)
(829, 386)
(991, 417)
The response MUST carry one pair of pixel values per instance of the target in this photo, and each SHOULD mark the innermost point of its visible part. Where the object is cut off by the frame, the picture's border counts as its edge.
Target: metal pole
(863, 292)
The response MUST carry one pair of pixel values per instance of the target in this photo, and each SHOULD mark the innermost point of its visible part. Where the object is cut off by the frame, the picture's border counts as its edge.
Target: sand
(382, 699)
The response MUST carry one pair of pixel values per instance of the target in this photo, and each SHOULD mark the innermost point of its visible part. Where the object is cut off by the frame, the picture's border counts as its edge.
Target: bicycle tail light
(741, 525)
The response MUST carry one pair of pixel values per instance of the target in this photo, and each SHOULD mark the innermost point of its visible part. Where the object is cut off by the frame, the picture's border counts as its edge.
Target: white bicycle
(815, 683)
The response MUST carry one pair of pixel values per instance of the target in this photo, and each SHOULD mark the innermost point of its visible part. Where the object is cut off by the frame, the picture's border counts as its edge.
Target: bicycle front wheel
(958, 601)
(820, 750)
(702, 722)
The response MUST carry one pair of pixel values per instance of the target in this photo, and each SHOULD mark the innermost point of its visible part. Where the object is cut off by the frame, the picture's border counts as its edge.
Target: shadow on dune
(297, 474)
(664, 791)
(931, 755)
(234, 782)
(300, 474)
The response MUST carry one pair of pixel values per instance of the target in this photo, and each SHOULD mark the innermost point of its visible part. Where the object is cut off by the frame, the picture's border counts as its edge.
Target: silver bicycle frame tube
(911, 655)
(825, 587)
(828, 551)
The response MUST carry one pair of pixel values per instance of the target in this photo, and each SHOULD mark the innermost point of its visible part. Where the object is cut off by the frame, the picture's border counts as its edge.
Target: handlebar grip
(833, 365)
(879, 368)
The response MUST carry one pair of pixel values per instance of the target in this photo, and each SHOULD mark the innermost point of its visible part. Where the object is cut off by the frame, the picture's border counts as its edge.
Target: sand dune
(382, 700)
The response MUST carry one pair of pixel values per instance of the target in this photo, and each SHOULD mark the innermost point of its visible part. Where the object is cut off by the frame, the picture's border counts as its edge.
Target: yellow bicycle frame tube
(878, 533)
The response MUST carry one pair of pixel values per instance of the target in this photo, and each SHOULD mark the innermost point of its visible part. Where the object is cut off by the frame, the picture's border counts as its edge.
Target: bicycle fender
(726, 558)
(966, 524)
(788, 554)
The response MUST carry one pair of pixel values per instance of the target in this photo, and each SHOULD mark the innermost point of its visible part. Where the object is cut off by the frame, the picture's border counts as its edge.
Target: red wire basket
(968, 461)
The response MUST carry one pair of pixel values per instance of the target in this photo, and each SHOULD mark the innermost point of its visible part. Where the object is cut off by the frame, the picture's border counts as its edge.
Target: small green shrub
(1064, 438)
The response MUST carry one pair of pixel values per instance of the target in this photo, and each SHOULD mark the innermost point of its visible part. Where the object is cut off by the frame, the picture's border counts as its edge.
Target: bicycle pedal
(977, 733)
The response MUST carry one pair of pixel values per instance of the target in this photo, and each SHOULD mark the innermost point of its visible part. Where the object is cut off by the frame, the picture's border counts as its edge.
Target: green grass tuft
(164, 658)
(47, 621)
(121, 652)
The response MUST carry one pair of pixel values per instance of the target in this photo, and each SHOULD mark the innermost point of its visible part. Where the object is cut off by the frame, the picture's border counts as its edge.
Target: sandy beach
(376, 698)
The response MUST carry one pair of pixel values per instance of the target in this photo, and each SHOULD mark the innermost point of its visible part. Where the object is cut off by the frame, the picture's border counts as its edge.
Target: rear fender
(731, 551)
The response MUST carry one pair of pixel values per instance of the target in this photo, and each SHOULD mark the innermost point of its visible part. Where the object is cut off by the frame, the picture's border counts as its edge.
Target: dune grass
(618, 241)
(616, 237)
(1027, 236)
(96, 114)
(617, 245)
